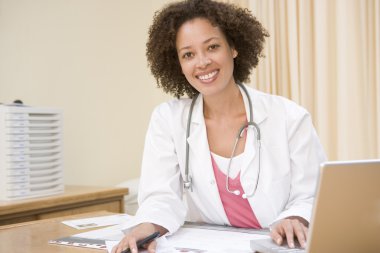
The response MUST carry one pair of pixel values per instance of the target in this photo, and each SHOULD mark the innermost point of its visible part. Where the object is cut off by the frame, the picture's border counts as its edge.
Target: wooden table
(34, 236)
(75, 200)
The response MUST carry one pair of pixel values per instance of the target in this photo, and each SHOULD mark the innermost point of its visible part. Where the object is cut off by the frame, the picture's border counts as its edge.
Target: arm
(160, 191)
(306, 154)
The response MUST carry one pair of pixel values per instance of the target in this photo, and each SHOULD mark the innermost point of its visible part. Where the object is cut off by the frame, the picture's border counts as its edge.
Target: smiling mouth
(208, 76)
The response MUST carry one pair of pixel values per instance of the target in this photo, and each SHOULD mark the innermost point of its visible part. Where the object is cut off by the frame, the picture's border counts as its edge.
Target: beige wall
(88, 58)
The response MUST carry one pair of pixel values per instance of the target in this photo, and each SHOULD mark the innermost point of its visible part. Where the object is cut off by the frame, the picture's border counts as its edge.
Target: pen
(144, 241)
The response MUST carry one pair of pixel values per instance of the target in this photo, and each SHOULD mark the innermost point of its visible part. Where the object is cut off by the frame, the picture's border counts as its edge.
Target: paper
(194, 239)
(96, 238)
(100, 221)
(200, 240)
(93, 239)
(79, 242)
(205, 240)
(163, 246)
(113, 233)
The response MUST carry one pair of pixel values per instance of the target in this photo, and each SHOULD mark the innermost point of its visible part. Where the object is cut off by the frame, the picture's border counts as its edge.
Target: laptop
(346, 213)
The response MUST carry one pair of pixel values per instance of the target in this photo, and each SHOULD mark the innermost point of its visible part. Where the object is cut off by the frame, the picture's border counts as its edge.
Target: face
(206, 59)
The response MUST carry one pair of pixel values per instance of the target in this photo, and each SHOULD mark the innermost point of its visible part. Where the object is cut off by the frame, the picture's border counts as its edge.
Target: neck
(230, 103)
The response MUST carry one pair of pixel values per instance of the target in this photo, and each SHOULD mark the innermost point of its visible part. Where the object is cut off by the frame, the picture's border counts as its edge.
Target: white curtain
(325, 55)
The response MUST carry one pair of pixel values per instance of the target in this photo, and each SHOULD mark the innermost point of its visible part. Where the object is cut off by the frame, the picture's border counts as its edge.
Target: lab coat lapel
(200, 164)
(249, 169)
(198, 136)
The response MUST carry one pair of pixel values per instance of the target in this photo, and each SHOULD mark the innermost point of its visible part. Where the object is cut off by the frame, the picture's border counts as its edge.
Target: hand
(289, 229)
(139, 232)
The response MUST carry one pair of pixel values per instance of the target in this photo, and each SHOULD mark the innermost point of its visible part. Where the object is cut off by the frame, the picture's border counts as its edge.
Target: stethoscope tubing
(188, 181)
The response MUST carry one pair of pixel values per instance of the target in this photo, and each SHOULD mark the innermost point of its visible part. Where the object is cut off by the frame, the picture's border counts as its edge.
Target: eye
(213, 47)
(187, 55)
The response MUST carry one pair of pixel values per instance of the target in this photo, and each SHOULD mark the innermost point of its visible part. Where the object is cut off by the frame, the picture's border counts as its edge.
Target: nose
(203, 61)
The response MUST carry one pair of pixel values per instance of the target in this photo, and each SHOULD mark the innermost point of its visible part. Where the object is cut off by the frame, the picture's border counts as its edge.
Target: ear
(234, 53)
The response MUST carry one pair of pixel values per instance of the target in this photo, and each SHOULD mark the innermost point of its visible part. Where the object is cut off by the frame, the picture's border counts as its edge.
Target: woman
(204, 49)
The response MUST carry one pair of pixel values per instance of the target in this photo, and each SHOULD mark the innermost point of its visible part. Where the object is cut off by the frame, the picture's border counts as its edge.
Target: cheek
(186, 69)
(230, 62)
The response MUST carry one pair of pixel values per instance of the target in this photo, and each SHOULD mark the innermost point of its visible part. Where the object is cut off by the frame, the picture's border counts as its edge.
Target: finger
(114, 248)
(152, 247)
(305, 231)
(125, 244)
(289, 232)
(119, 248)
(276, 234)
(132, 245)
(299, 233)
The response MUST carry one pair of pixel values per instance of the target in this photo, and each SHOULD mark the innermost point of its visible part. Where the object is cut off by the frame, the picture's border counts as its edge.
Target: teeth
(208, 76)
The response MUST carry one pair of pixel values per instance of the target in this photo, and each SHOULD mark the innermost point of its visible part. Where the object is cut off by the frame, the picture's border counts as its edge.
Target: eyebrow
(204, 42)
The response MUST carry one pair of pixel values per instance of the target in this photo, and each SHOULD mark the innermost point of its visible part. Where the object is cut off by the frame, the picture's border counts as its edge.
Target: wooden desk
(34, 236)
(75, 200)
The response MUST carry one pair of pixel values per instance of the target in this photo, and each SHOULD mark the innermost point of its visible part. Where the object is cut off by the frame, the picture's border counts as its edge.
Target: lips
(208, 77)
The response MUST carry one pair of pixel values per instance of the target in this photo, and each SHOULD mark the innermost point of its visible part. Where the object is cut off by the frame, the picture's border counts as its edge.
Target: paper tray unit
(31, 152)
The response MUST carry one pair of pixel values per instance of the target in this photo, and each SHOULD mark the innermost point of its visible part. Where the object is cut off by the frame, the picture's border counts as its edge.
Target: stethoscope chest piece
(188, 184)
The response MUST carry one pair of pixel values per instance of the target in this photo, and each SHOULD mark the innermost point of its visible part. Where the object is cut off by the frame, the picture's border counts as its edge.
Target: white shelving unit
(31, 160)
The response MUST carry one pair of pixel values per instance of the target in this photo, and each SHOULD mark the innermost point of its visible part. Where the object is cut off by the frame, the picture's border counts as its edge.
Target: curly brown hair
(243, 32)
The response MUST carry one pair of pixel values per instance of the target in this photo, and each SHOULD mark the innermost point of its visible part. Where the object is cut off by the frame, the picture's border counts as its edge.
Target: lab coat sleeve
(306, 154)
(160, 189)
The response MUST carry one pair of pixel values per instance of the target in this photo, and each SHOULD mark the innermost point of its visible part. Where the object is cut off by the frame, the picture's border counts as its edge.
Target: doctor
(229, 154)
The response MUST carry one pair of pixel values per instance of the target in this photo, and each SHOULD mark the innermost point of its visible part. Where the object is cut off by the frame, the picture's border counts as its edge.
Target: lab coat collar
(259, 110)
(197, 116)
(197, 140)
(198, 134)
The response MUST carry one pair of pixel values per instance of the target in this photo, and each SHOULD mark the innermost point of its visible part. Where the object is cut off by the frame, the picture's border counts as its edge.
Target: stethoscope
(188, 181)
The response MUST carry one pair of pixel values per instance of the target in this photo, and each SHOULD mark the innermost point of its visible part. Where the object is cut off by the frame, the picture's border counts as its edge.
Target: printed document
(100, 221)
(200, 240)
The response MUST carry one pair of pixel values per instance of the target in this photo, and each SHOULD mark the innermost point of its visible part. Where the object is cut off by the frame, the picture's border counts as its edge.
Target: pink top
(238, 210)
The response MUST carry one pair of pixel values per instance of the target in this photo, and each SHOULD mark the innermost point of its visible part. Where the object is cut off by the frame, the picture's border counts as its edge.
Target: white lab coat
(290, 158)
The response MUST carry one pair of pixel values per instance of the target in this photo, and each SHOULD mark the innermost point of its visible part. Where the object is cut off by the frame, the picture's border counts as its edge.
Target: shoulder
(275, 104)
(171, 109)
